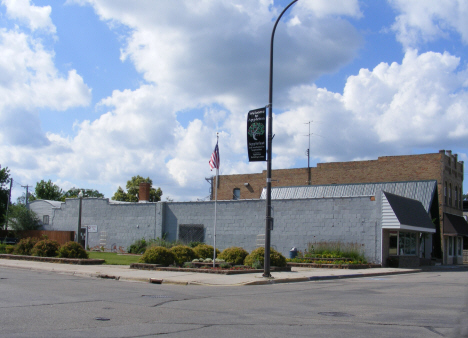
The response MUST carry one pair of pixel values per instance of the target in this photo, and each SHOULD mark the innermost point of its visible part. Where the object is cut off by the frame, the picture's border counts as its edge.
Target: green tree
(47, 191)
(133, 187)
(21, 218)
(4, 193)
(73, 193)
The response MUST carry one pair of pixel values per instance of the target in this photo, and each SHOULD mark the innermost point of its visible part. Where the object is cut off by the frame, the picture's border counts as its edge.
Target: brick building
(443, 167)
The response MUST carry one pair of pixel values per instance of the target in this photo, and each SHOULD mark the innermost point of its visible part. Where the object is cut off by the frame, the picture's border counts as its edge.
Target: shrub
(46, 248)
(189, 265)
(225, 265)
(158, 255)
(235, 255)
(276, 259)
(72, 250)
(194, 244)
(183, 254)
(25, 246)
(204, 251)
(138, 247)
(9, 249)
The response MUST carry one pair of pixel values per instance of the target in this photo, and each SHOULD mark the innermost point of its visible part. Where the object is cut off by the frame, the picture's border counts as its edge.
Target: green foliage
(204, 251)
(138, 247)
(133, 188)
(73, 193)
(158, 255)
(47, 191)
(21, 218)
(182, 254)
(4, 193)
(225, 265)
(189, 265)
(276, 259)
(335, 250)
(195, 244)
(235, 255)
(72, 250)
(6, 249)
(46, 248)
(257, 265)
(25, 246)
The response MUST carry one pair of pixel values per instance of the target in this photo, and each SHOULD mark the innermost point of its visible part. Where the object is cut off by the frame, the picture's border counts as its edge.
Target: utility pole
(27, 193)
(308, 157)
(8, 203)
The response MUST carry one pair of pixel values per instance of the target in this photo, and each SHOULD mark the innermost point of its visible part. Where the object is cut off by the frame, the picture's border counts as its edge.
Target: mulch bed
(77, 261)
(334, 266)
(159, 267)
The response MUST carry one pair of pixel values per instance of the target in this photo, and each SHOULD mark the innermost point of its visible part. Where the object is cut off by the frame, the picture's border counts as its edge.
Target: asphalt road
(44, 304)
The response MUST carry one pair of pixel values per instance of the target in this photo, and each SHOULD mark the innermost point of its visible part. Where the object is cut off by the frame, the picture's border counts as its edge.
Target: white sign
(92, 228)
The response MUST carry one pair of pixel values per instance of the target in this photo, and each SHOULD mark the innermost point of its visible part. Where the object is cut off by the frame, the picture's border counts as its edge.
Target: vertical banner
(256, 135)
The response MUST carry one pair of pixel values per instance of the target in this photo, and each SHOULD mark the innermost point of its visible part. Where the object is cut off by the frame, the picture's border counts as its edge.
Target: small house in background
(44, 210)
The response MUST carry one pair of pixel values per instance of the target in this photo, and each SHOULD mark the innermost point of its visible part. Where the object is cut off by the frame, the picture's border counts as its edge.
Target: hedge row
(180, 254)
(47, 248)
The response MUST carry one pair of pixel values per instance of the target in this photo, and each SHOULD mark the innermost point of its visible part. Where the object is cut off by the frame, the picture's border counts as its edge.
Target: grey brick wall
(296, 222)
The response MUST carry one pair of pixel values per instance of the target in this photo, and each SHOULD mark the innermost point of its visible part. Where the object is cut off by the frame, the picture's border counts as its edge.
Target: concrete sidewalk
(121, 272)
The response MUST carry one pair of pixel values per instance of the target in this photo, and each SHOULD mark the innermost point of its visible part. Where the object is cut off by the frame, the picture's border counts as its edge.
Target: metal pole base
(267, 275)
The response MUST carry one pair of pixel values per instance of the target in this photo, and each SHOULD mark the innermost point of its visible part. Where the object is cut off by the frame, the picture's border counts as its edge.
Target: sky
(93, 92)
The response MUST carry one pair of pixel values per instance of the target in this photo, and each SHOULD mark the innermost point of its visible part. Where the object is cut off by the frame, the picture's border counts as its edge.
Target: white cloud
(427, 20)
(418, 103)
(35, 17)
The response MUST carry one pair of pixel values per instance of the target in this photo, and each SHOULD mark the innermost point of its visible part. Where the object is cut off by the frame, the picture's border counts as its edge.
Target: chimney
(449, 153)
(144, 193)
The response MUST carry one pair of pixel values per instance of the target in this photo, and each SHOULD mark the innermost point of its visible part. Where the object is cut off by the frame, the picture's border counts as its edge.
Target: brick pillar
(144, 193)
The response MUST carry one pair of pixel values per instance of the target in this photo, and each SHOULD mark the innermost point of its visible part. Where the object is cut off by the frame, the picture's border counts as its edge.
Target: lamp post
(269, 219)
(80, 196)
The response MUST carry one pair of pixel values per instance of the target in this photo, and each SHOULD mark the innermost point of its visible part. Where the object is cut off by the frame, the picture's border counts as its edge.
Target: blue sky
(93, 92)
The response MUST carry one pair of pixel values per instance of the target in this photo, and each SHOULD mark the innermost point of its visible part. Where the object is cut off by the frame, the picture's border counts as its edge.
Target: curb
(320, 278)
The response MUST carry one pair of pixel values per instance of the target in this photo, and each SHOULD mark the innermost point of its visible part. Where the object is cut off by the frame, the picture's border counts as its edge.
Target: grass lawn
(113, 258)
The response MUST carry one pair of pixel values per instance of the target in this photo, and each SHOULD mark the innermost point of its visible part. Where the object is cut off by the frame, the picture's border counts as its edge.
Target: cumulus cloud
(417, 103)
(203, 66)
(426, 20)
(34, 16)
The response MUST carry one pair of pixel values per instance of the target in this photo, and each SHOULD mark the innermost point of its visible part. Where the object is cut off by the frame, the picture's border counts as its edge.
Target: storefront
(406, 232)
(455, 229)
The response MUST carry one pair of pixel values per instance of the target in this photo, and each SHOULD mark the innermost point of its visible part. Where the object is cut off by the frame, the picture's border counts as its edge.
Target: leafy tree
(4, 193)
(73, 193)
(133, 187)
(47, 191)
(21, 218)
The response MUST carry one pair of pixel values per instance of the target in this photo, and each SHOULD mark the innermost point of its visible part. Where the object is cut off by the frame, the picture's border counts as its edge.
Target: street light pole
(80, 196)
(268, 219)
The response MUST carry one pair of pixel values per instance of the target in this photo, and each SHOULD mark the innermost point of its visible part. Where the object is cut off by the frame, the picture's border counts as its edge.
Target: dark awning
(409, 213)
(455, 225)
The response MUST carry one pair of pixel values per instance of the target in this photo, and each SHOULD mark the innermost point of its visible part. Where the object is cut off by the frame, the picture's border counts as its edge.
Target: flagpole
(215, 215)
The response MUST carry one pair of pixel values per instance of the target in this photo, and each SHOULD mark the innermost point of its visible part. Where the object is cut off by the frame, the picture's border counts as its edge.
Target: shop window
(450, 246)
(459, 246)
(45, 219)
(407, 243)
(236, 194)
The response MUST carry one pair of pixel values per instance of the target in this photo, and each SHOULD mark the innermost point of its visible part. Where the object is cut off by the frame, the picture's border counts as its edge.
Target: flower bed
(333, 265)
(206, 269)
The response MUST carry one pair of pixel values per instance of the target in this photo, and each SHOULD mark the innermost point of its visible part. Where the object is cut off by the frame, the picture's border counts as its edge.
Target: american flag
(214, 160)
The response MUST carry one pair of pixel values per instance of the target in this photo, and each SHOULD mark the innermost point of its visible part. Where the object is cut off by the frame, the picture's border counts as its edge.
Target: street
(45, 304)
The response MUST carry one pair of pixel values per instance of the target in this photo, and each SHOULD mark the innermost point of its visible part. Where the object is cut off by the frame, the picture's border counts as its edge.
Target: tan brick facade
(442, 166)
